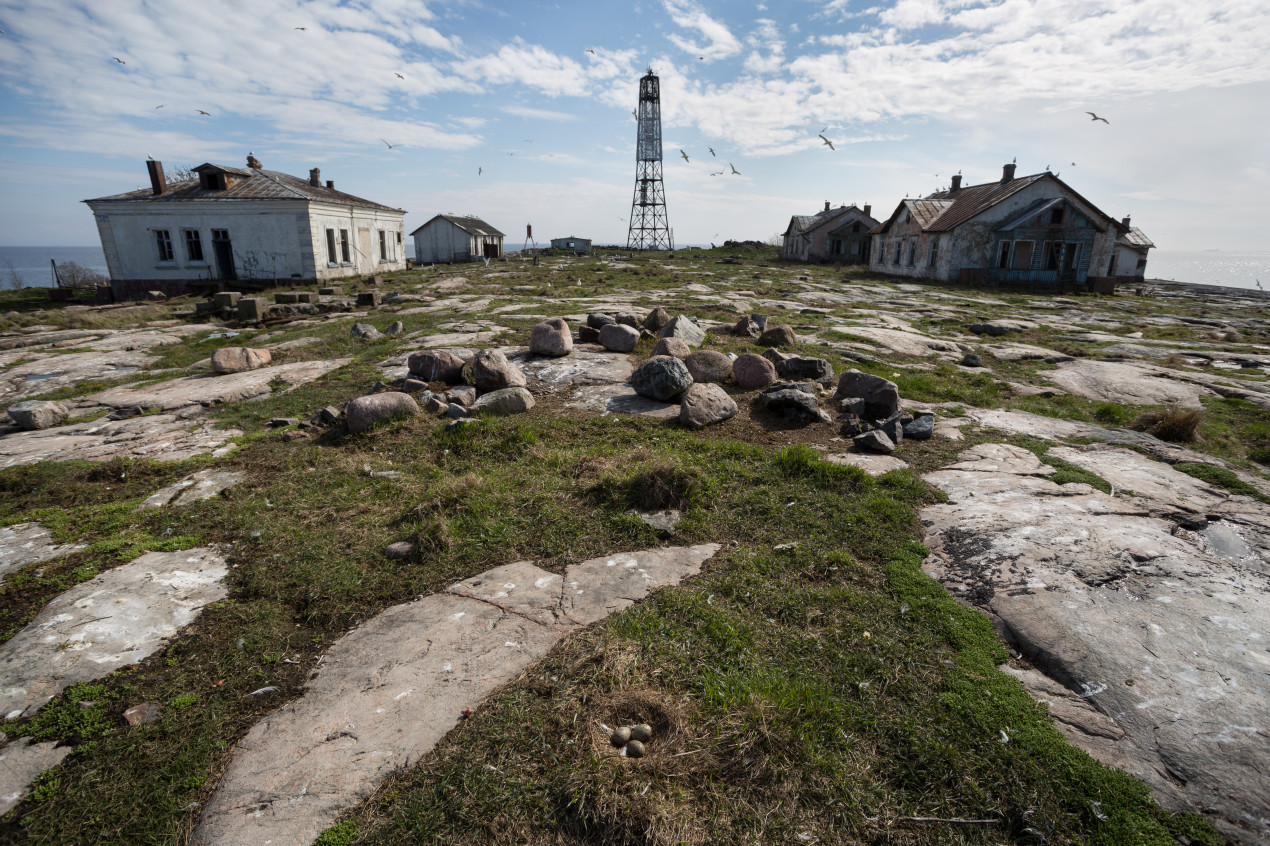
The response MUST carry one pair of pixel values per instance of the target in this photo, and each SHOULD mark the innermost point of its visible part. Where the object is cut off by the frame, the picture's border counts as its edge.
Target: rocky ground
(293, 565)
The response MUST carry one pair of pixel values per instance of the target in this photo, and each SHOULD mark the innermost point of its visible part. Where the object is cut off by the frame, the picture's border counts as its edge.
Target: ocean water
(1239, 269)
(32, 263)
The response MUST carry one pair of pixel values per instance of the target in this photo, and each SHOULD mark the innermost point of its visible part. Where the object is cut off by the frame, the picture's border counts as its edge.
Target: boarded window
(345, 255)
(912, 252)
(163, 240)
(1003, 255)
(330, 246)
(193, 245)
(1056, 216)
(383, 245)
(1022, 255)
(934, 251)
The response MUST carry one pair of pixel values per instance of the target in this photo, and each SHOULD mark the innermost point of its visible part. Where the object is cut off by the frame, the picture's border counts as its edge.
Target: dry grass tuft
(1177, 425)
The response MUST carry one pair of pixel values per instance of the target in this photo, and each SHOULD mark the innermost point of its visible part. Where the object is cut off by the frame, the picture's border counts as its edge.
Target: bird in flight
(201, 112)
(827, 141)
(302, 28)
(1073, 164)
(119, 60)
(712, 152)
(399, 76)
(734, 170)
(825, 128)
(1093, 116)
(1259, 288)
(479, 171)
(589, 50)
(716, 173)
(158, 107)
(389, 146)
(701, 58)
(685, 155)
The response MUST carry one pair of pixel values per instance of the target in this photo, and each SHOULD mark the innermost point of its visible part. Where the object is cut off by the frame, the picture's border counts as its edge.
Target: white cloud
(719, 41)
(539, 114)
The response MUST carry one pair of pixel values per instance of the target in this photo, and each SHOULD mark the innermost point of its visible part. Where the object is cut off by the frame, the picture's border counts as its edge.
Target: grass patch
(1179, 425)
(1221, 477)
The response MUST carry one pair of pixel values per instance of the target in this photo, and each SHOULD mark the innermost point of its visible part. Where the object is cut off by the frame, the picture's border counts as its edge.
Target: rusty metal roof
(470, 225)
(251, 185)
(1135, 237)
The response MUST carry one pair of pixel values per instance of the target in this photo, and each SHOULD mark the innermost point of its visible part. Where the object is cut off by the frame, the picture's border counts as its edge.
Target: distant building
(236, 223)
(1130, 258)
(581, 245)
(835, 234)
(450, 238)
(1029, 229)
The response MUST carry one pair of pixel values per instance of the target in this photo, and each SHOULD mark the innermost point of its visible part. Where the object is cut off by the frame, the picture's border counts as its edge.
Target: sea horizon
(1226, 268)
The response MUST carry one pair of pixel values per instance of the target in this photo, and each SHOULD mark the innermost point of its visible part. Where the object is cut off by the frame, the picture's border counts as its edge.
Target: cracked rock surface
(1154, 643)
(27, 543)
(388, 692)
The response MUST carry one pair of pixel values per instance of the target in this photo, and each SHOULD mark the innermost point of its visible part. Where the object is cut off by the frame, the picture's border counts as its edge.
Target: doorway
(224, 251)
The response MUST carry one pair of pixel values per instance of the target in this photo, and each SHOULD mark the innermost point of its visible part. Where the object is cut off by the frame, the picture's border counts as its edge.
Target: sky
(521, 113)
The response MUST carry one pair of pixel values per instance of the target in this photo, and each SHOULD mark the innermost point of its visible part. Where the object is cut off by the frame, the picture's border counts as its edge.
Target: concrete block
(288, 298)
(369, 298)
(252, 309)
(225, 299)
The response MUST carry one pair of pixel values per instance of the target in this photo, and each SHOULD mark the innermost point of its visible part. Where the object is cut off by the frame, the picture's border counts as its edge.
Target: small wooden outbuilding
(451, 238)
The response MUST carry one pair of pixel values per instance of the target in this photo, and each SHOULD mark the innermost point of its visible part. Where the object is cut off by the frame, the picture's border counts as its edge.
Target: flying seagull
(119, 60)
(716, 173)
(399, 76)
(734, 170)
(827, 141)
(201, 112)
(1259, 288)
(589, 50)
(389, 146)
(1093, 116)
(479, 171)
(158, 107)
(302, 28)
(685, 155)
(712, 152)
(701, 58)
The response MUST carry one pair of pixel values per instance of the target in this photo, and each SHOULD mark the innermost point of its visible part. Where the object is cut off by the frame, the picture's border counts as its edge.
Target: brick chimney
(315, 177)
(253, 162)
(1125, 221)
(868, 210)
(1007, 173)
(826, 205)
(956, 184)
(157, 181)
(330, 184)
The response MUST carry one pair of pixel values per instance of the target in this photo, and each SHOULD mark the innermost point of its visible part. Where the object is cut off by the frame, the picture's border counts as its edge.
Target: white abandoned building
(834, 234)
(1030, 230)
(452, 238)
(236, 223)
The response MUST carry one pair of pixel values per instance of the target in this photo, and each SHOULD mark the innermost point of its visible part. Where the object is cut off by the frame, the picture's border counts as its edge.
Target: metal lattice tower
(649, 228)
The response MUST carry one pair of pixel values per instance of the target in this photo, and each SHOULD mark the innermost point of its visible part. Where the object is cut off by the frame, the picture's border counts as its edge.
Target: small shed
(580, 245)
(451, 238)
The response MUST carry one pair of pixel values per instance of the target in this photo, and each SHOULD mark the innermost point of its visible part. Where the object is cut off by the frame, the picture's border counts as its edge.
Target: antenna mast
(649, 227)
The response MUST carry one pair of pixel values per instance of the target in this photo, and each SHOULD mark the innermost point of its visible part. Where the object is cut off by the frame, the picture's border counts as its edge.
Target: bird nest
(674, 744)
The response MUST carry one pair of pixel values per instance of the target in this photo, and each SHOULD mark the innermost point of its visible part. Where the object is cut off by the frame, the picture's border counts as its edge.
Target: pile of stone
(871, 414)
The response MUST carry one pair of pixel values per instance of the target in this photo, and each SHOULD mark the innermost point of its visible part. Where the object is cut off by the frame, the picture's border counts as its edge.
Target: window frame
(330, 248)
(345, 249)
(193, 237)
(933, 252)
(163, 244)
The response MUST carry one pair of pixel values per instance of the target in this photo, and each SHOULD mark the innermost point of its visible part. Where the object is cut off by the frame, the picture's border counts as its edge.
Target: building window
(899, 245)
(1003, 257)
(330, 246)
(934, 251)
(163, 240)
(193, 245)
(1056, 216)
(383, 245)
(912, 252)
(1049, 258)
(345, 255)
(1022, 255)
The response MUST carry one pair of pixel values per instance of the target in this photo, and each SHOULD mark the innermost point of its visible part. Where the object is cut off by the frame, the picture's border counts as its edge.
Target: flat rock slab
(1026, 352)
(1126, 612)
(117, 618)
(204, 484)
(620, 399)
(899, 341)
(874, 465)
(160, 437)
(391, 689)
(1120, 382)
(48, 372)
(20, 762)
(217, 390)
(582, 366)
(27, 543)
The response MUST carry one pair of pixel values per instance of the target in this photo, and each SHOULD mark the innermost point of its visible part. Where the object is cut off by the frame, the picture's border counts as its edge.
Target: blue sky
(909, 91)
